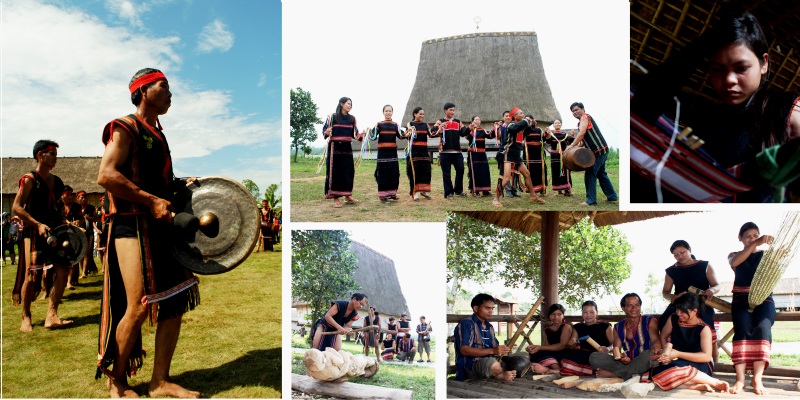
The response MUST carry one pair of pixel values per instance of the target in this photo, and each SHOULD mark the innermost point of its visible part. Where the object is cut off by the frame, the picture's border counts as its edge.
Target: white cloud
(127, 10)
(262, 80)
(215, 36)
(65, 75)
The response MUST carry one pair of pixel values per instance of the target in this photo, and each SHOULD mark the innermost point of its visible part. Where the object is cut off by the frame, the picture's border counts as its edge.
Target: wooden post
(549, 259)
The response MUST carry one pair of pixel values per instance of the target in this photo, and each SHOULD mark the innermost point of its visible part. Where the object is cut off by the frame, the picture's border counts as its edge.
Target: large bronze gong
(67, 245)
(228, 225)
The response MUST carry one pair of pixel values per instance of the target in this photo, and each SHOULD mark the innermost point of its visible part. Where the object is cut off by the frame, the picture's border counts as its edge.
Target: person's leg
(445, 160)
(458, 163)
(605, 364)
(12, 253)
(52, 321)
(317, 337)
(27, 292)
(130, 265)
(605, 183)
(739, 384)
(337, 344)
(167, 333)
(534, 198)
(703, 382)
(503, 182)
(758, 373)
(498, 373)
(590, 181)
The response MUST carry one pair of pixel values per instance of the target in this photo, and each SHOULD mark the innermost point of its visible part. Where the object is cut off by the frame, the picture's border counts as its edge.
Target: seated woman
(388, 347)
(545, 358)
(576, 362)
(686, 360)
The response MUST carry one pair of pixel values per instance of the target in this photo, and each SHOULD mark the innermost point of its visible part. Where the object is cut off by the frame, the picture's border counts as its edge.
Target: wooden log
(347, 390)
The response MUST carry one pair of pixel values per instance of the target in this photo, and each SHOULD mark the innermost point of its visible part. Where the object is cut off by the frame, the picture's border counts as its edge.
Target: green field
(418, 379)
(307, 189)
(230, 345)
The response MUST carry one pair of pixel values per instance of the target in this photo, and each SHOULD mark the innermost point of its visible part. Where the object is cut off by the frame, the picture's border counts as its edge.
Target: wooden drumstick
(368, 328)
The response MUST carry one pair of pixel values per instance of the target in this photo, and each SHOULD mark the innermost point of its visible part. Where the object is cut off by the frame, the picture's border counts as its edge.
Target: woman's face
(749, 236)
(419, 116)
(736, 73)
(387, 113)
(589, 314)
(556, 317)
(686, 316)
(682, 255)
(347, 106)
(477, 121)
(557, 125)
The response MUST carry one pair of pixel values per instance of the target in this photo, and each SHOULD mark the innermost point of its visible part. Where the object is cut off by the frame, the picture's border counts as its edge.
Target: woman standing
(371, 337)
(561, 176)
(534, 157)
(340, 129)
(686, 361)
(418, 162)
(752, 332)
(576, 362)
(479, 179)
(387, 170)
(687, 271)
(545, 358)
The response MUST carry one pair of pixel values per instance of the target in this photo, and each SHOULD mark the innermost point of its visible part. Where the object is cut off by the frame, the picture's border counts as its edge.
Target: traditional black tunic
(339, 168)
(534, 156)
(752, 332)
(479, 179)
(576, 362)
(561, 176)
(683, 338)
(341, 318)
(387, 169)
(548, 357)
(684, 276)
(418, 168)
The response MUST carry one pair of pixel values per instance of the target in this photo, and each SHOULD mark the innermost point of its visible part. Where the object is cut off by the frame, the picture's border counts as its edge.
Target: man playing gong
(35, 204)
(142, 280)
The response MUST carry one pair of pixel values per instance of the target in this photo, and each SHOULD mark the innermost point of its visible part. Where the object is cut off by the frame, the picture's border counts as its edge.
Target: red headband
(145, 79)
(79, 193)
(45, 150)
(514, 111)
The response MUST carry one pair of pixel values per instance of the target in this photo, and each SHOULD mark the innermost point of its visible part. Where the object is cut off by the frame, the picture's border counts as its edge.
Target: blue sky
(66, 67)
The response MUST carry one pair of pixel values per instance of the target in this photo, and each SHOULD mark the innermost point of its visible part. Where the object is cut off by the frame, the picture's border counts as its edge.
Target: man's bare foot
(537, 199)
(57, 323)
(119, 389)
(43, 296)
(171, 389)
(603, 373)
(758, 387)
(26, 325)
(70, 287)
(736, 388)
(496, 203)
(506, 376)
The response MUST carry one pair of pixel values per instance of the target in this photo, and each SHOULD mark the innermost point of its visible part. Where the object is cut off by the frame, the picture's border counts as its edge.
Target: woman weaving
(686, 360)
(752, 331)
(686, 272)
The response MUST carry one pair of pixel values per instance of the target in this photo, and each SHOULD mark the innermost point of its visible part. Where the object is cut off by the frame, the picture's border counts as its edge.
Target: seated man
(639, 351)
(476, 345)
(406, 350)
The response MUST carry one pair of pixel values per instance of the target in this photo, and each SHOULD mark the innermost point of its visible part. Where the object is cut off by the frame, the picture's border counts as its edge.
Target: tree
(653, 292)
(272, 198)
(307, 150)
(592, 261)
(322, 268)
(467, 256)
(302, 118)
(252, 188)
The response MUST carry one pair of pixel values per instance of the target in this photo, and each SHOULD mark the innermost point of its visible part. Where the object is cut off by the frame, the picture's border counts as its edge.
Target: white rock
(637, 390)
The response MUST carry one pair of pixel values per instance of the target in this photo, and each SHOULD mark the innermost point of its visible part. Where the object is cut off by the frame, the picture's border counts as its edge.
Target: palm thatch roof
(78, 172)
(528, 222)
(377, 276)
(661, 27)
(484, 74)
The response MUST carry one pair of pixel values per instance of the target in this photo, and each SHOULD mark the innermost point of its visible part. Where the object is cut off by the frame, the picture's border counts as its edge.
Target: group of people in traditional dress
(398, 341)
(270, 228)
(521, 152)
(142, 279)
(675, 349)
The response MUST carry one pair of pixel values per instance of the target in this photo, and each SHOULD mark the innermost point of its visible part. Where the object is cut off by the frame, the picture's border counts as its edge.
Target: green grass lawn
(418, 379)
(307, 189)
(229, 346)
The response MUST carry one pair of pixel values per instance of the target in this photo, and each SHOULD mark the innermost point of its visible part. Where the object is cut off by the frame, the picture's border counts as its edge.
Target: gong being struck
(219, 225)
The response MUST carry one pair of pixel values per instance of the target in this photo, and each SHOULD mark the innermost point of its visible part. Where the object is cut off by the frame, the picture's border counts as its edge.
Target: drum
(578, 158)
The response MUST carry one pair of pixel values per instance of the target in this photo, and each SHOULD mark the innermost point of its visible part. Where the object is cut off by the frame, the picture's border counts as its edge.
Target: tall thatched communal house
(377, 276)
(78, 172)
(484, 74)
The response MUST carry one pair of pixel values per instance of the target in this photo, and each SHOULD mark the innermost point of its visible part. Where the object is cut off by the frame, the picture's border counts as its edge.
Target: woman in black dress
(340, 129)
(545, 358)
(576, 362)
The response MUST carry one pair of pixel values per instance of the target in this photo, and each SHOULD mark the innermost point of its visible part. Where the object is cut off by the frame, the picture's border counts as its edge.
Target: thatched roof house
(484, 74)
(786, 294)
(78, 172)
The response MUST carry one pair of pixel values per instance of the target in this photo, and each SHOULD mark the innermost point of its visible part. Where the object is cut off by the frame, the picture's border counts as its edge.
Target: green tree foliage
(322, 268)
(302, 117)
(272, 198)
(657, 304)
(592, 261)
(252, 188)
